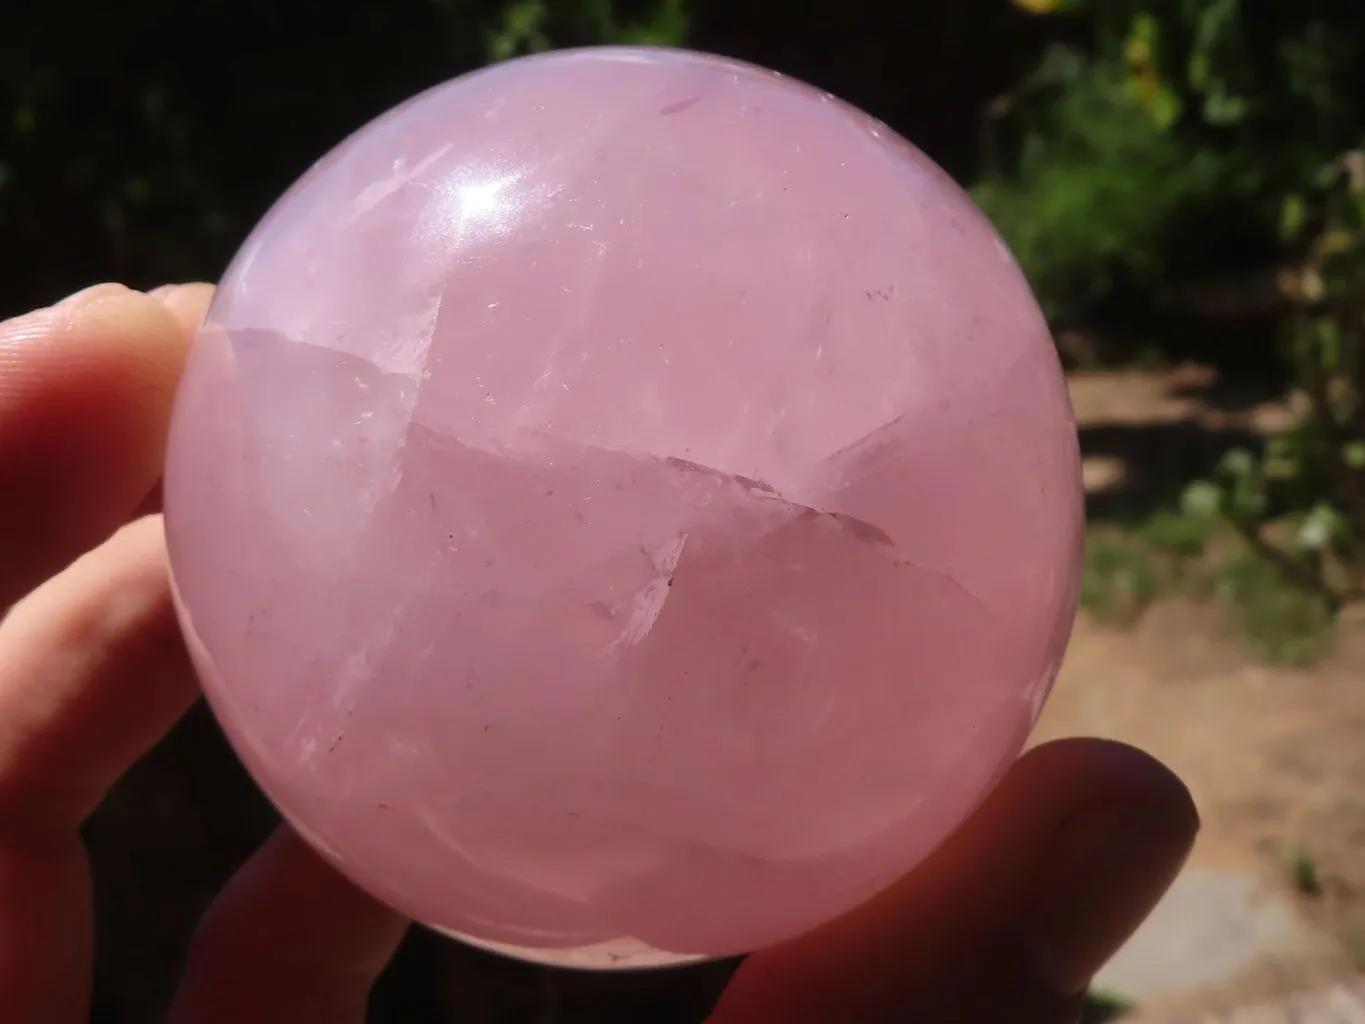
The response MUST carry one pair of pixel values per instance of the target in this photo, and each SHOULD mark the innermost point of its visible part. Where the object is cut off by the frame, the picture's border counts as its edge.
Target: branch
(1294, 571)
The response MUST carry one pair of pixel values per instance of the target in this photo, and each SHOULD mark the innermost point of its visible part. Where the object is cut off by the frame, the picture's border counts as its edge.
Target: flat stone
(1334, 1004)
(1211, 928)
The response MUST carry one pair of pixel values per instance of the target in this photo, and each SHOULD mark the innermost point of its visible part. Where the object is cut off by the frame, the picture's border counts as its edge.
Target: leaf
(1293, 215)
(1047, 6)
(1318, 529)
(1329, 343)
(1237, 464)
(1284, 456)
(522, 31)
(1202, 500)
(1223, 109)
(1244, 496)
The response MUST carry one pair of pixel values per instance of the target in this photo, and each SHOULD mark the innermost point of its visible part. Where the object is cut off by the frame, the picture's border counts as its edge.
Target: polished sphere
(625, 507)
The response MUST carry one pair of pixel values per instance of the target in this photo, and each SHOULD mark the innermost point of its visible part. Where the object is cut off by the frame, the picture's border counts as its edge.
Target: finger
(92, 673)
(290, 941)
(187, 303)
(45, 934)
(1009, 920)
(85, 396)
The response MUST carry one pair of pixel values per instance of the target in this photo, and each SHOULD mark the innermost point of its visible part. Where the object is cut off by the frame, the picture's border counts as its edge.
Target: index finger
(86, 389)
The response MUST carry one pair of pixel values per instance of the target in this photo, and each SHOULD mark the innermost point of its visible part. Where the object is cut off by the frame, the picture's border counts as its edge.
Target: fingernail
(1104, 872)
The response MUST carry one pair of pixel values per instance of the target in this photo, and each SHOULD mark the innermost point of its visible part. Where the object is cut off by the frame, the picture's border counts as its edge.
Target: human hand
(1007, 922)
(93, 672)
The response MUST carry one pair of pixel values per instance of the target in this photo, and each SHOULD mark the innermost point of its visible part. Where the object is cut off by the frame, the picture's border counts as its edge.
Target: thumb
(1009, 919)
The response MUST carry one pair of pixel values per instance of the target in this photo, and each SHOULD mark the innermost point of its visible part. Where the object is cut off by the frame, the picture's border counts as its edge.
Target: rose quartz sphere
(625, 507)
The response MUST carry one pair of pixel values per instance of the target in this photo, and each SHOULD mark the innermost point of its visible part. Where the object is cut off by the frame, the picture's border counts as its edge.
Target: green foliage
(1189, 549)
(1194, 138)
(530, 26)
(1120, 579)
(1106, 1004)
(1315, 469)
(1271, 594)
(1103, 197)
(1186, 530)
(1163, 151)
(1302, 868)
(1278, 621)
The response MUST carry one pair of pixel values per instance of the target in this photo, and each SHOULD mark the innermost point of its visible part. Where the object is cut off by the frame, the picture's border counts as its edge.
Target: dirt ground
(1275, 756)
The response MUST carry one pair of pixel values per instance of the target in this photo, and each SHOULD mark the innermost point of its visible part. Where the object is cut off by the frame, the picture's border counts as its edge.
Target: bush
(1190, 139)
(1104, 200)
(1163, 149)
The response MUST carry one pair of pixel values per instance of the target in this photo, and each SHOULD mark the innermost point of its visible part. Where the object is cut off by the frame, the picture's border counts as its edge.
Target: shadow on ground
(1230, 394)
(1158, 460)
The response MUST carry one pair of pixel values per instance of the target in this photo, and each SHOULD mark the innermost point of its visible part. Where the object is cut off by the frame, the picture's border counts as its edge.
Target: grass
(1302, 868)
(1278, 622)
(1120, 578)
(1103, 1005)
(1353, 941)
(1130, 565)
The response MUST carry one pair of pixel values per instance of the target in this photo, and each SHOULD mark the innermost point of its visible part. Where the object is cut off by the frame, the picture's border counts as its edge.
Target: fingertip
(1089, 770)
(1108, 864)
(93, 672)
(290, 939)
(188, 303)
(104, 348)
(86, 389)
(1041, 885)
(316, 917)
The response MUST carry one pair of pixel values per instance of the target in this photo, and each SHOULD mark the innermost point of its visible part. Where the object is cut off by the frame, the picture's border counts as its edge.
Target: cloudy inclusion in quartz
(625, 507)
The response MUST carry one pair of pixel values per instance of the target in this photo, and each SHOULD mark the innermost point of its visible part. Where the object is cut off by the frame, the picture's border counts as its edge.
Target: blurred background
(1184, 183)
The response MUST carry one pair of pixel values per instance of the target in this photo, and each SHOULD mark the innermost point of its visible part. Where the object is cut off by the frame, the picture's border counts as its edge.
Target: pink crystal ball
(625, 507)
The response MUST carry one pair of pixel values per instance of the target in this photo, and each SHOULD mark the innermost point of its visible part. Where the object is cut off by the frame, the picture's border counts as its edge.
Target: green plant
(1302, 867)
(1186, 529)
(529, 26)
(1106, 1004)
(1194, 137)
(1160, 151)
(1100, 193)
(1120, 579)
(1353, 941)
(1278, 620)
(1316, 469)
